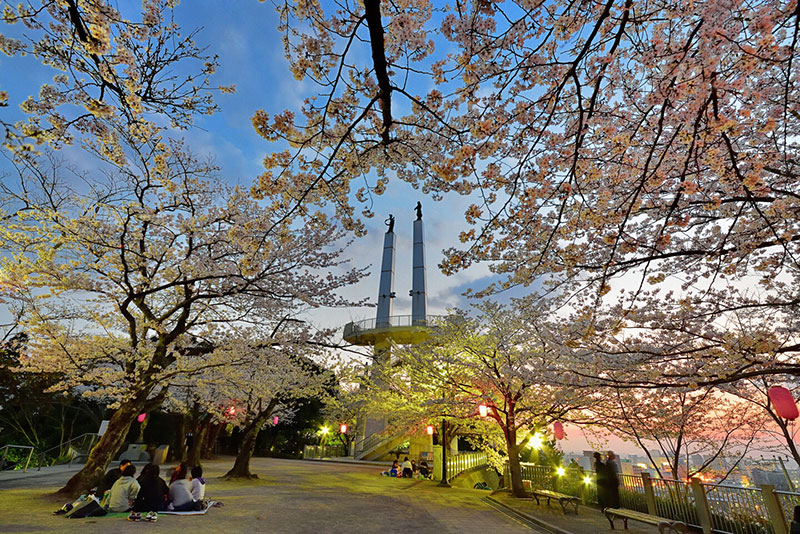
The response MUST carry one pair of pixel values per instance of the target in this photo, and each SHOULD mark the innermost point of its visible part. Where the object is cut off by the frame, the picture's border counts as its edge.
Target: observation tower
(374, 439)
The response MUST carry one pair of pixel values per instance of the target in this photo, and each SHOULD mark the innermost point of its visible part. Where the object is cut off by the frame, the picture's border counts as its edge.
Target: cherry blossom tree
(130, 279)
(134, 67)
(614, 150)
(494, 357)
(681, 424)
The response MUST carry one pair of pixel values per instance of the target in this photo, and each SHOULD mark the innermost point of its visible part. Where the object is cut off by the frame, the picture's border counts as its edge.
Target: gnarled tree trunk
(108, 445)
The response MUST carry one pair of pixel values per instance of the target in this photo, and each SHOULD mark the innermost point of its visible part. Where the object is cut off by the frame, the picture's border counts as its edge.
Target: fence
(324, 451)
(6, 448)
(69, 451)
(464, 462)
(714, 508)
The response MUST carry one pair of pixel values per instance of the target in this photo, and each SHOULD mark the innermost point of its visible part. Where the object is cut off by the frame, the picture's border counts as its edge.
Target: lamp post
(536, 443)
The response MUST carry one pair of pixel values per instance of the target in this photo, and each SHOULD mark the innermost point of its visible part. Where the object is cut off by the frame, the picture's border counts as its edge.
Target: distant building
(776, 478)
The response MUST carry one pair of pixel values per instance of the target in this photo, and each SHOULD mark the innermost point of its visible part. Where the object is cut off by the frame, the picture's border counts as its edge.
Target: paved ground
(290, 497)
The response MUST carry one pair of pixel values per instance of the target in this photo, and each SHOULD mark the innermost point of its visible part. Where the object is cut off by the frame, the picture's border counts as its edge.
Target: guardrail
(68, 447)
(356, 327)
(5, 449)
(717, 508)
(464, 461)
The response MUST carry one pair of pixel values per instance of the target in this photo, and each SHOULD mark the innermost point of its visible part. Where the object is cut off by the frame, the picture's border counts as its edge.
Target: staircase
(379, 444)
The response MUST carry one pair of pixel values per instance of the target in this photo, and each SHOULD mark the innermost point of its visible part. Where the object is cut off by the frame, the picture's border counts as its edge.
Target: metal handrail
(60, 446)
(393, 321)
(5, 453)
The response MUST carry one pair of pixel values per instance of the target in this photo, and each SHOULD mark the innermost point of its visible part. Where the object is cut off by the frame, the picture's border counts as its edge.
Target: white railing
(464, 462)
(358, 327)
(719, 508)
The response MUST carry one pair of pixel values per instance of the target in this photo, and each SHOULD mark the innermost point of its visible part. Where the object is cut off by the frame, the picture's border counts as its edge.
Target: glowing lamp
(232, 411)
(482, 410)
(141, 417)
(343, 429)
(275, 420)
(783, 401)
(560, 471)
(324, 430)
(587, 480)
(536, 441)
(429, 430)
(558, 430)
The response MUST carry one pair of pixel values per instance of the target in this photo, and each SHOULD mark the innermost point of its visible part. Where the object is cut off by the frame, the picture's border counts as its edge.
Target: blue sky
(244, 35)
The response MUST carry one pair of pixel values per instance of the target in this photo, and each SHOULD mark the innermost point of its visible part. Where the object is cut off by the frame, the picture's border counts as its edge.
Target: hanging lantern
(231, 411)
(343, 429)
(275, 420)
(558, 430)
(141, 417)
(429, 430)
(482, 410)
(783, 401)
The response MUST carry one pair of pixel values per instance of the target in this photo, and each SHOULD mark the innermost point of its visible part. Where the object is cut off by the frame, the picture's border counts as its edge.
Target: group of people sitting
(149, 493)
(408, 469)
(119, 491)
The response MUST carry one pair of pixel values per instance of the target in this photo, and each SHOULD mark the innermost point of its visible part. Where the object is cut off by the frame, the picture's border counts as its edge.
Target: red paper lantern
(141, 417)
(232, 411)
(429, 430)
(482, 410)
(343, 429)
(783, 402)
(558, 430)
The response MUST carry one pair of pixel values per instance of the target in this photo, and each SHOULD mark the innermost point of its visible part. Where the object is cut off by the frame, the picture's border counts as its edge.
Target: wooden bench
(664, 525)
(562, 498)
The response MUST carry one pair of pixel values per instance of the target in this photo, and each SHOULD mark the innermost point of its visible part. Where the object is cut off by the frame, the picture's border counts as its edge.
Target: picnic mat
(191, 512)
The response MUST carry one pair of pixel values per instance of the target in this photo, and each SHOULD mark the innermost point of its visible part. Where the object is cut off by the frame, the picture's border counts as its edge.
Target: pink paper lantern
(558, 430)
(483, 410)
(429, 430)
(783, 402)
(141, 417)
(275, 420)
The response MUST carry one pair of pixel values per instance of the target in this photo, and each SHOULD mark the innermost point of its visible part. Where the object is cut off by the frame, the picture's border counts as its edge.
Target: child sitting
(198, 483)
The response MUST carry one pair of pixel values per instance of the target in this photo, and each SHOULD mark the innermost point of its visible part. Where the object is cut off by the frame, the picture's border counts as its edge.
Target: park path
(289, 497)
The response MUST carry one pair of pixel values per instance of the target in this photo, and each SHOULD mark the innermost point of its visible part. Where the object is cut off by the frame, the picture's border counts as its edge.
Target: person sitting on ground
(408, 469)
(198, 483)
(414, 468)
(153, 492)
(180, 494)
(392, 471)
(112, 476)
(124, 491)
(179, 473)
(424, 470)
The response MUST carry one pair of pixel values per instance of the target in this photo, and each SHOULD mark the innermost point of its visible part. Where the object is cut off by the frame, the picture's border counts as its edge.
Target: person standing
(612, 472)
(601, 480)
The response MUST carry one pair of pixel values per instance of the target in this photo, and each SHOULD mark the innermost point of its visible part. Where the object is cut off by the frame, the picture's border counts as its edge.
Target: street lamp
(536, 443)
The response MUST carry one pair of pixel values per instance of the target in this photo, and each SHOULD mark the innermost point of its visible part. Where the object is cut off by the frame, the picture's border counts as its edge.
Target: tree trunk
(105, 449)
(207, 451)
(514, 468)
(178, 450)
(201, 432)
(241, 467)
